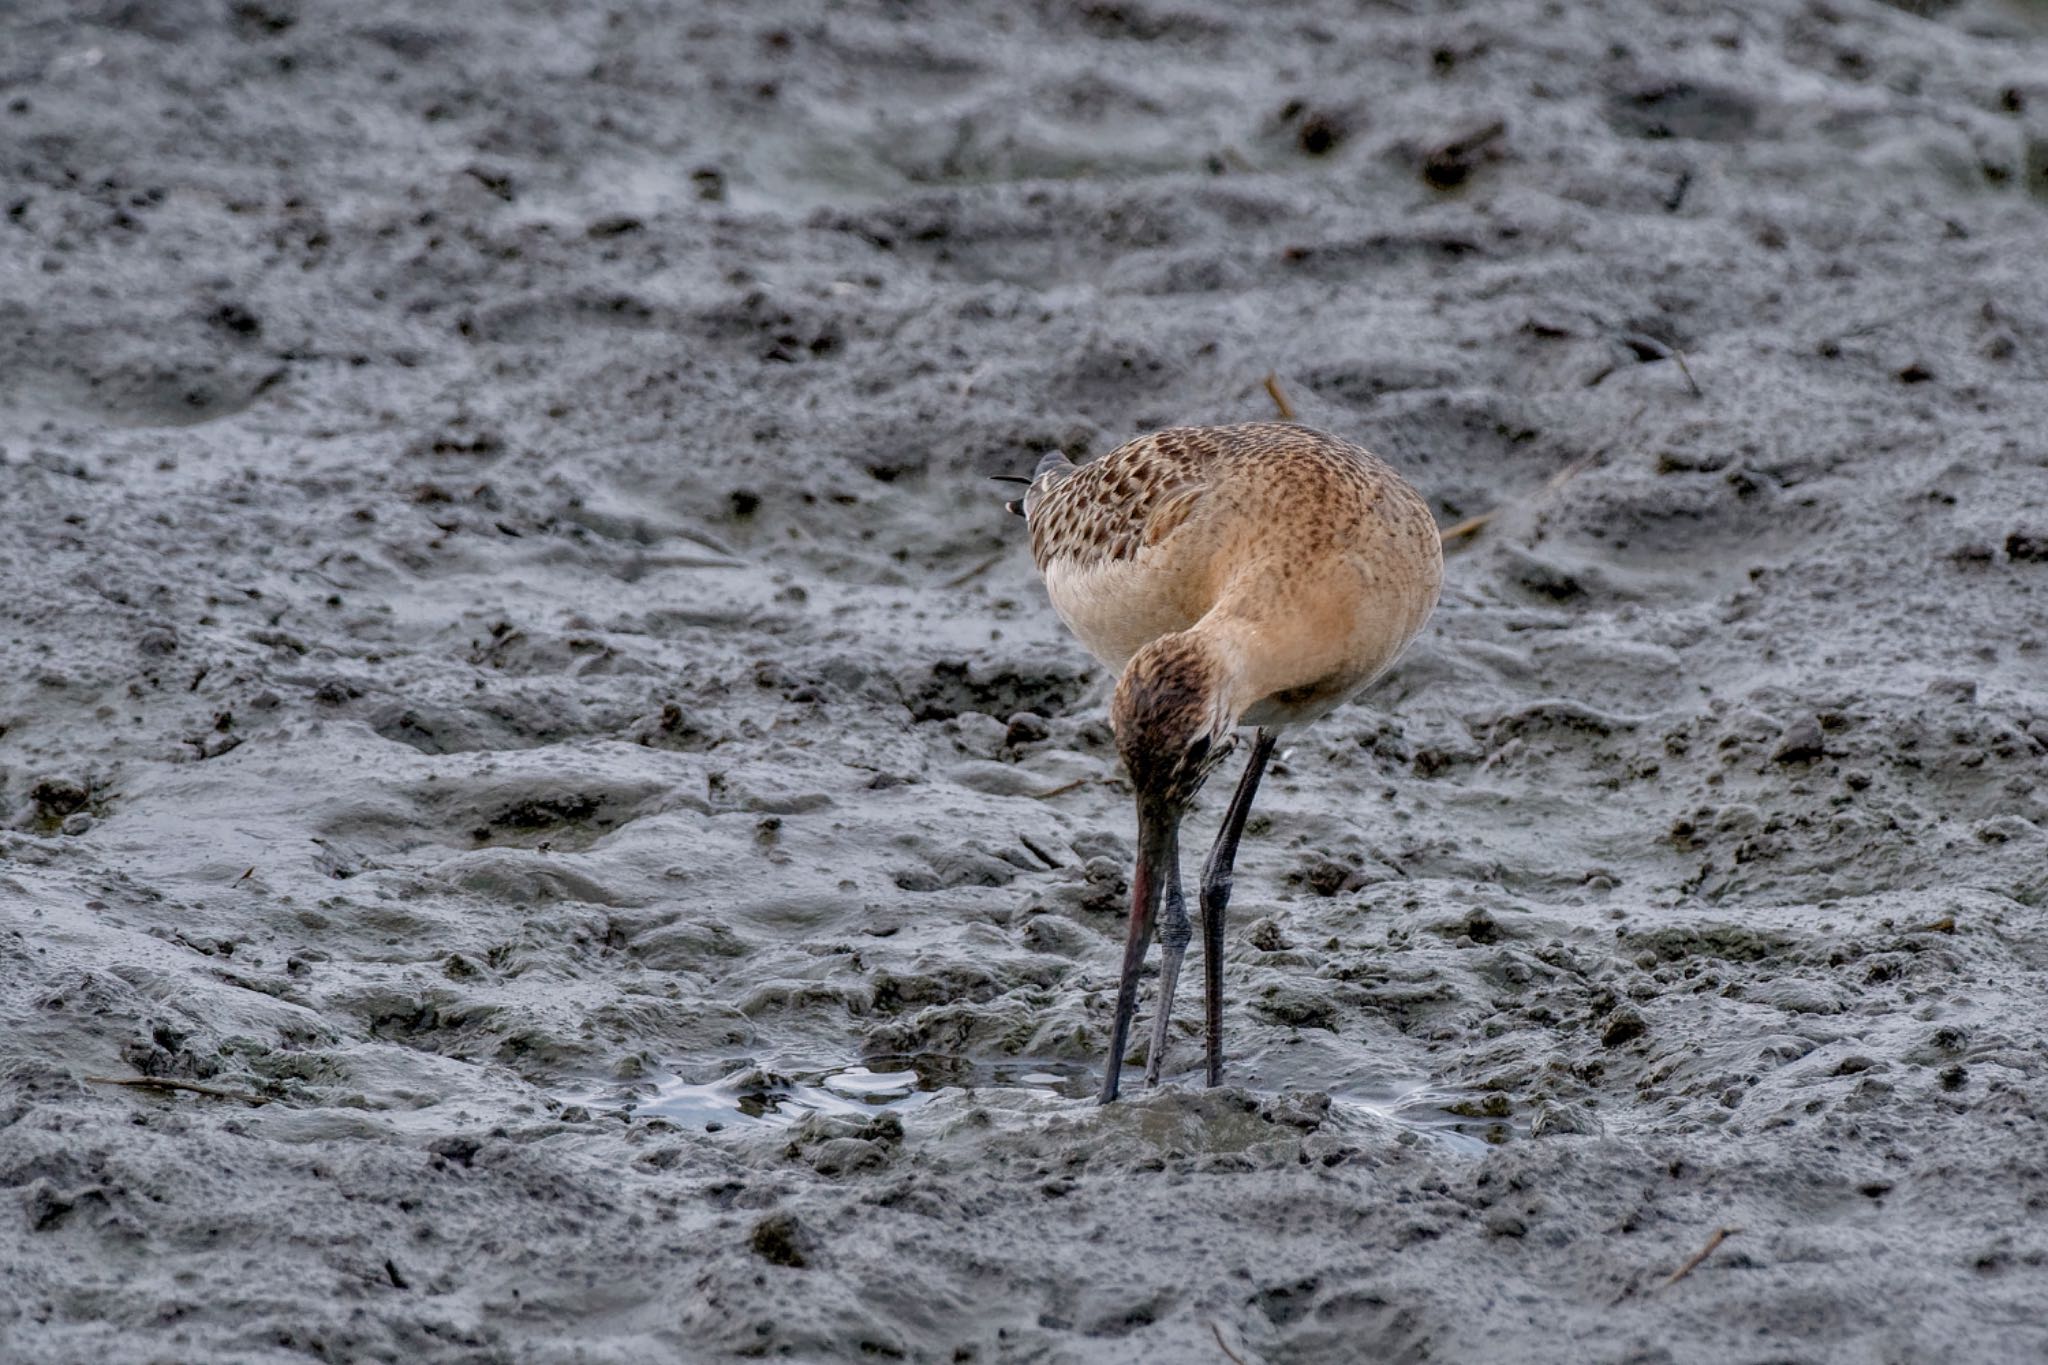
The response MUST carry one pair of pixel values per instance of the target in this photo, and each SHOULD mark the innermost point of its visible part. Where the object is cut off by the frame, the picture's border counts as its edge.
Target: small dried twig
(973, 376)
(1466, 527)
(1566, 475)
(1223, 1345)
(1550, 485)
(1042, 855)
(1062, 789)
(1450, 162)
(1870, 328)
(206, 747)
(1686, 370)
(961, 580)
(193, 1087)
(1279, 396)
(1698, 1257)
(1945, 925)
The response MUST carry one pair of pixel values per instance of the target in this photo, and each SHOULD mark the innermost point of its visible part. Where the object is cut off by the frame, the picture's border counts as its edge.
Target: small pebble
(1800, 742)
(1025, 728)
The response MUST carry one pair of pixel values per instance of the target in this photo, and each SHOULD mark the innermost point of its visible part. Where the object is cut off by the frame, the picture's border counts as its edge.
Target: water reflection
(749, 1096)
(755, 1096)
(1463, 1122)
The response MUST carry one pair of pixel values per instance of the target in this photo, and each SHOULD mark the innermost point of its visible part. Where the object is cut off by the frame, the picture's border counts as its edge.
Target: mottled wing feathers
(1172, 508)
(1131, 498)
(1053, 467)
(1293, 539)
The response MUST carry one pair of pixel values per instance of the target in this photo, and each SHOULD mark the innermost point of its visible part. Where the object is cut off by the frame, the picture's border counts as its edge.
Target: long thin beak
(1015, 506)
(1156, 834)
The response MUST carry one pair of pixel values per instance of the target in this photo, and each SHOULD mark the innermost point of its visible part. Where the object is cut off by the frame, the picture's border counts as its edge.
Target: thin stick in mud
(1279, 396)
(962, 579)
(165, 1083)
(1699, 1257)
(1472, 525)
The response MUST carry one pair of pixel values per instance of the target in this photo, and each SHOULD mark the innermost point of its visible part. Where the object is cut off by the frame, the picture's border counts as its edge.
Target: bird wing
(1128, 501)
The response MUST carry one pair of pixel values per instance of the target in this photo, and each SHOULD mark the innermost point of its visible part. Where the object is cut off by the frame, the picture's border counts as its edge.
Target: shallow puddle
(754, 1097)
(1464, 1122)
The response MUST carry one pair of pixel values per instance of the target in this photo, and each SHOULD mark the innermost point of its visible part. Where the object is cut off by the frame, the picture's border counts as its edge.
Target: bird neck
(1242, 665)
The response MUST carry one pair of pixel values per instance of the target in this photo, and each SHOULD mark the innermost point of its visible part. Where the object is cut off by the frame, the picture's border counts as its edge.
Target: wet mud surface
(513, 666)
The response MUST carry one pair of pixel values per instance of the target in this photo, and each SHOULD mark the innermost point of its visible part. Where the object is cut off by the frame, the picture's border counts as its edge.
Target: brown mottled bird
(1256, 575)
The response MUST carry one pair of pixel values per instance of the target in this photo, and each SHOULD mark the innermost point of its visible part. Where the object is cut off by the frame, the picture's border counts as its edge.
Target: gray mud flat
(513, 669)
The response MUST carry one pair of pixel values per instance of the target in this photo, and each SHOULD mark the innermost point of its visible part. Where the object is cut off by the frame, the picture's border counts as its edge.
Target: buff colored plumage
(1255, 575)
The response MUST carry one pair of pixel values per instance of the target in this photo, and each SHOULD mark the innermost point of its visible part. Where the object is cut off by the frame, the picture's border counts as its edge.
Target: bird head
(1174, 722)
(1052, 468)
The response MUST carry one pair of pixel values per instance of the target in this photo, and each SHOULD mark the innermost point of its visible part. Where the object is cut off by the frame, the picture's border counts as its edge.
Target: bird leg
(1156, 853)
(1174, 933)
(1216, 881)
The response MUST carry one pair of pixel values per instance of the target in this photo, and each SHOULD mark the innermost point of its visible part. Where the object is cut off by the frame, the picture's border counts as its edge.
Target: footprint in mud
(972, 863)
(515, 876)
(539, 812)
(1682, 109)
(996, 687)
(152, 394)
(437, 1020)
(576, 815)
(495, 722)
(691, 945)
(493, 833)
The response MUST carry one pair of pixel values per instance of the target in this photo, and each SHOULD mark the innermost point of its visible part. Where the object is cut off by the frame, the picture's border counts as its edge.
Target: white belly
(1113, 608)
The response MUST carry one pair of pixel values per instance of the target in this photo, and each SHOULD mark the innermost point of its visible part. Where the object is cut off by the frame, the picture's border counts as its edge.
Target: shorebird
(1257, 575)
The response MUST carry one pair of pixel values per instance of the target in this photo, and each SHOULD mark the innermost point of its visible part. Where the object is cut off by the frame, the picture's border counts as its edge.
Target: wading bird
(1255, 575)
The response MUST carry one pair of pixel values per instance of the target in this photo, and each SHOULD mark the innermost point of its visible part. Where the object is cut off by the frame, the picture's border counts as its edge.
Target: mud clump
(781, 1239)
(57, 797)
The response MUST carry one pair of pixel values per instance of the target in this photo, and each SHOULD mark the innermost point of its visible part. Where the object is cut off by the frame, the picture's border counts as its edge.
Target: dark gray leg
(1216, 878)
(1157, 853)
(1174, 933)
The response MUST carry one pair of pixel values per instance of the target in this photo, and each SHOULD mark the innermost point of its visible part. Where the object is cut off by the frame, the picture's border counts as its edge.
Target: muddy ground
(512, 663)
